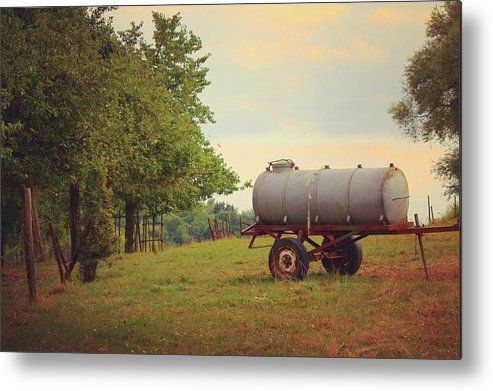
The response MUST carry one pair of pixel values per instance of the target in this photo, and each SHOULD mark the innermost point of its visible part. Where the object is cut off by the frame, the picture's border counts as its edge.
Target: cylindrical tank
(283, 194)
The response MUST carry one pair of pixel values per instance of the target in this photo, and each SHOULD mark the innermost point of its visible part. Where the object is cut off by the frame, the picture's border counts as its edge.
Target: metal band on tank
(283, 199)
(380, 199)
(348, 193)
(314, 200)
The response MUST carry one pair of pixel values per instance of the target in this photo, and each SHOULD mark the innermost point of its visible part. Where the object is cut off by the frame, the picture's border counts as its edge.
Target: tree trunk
(60, 259)
(4, 247)
(130, 208)
(89, 272)
(27, 231)
(39, 248)
(74, 226)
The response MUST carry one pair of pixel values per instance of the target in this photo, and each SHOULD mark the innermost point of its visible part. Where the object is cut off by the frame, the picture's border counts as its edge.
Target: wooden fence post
(161, 234)
(218, 235)
(119, 231)
(211, 232)
(27, 230)
(153, 232)
(145, 233)
(38, 245)
(420, 240)
(138, 233)
(57, 251)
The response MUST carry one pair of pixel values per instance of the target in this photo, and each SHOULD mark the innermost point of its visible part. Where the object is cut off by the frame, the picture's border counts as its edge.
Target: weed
(155, 289)
(185, 279)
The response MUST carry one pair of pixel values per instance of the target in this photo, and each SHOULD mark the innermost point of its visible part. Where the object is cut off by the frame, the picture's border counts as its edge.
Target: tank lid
(281, 164)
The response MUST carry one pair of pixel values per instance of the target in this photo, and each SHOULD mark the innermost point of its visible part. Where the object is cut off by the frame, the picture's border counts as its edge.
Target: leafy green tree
(430, 109)
(175, 57)
(47, 56)
(55, 100)
(52, 97)
(197, 219)
(222, 206)
(176, 167)
(177, 230)
(89, 115)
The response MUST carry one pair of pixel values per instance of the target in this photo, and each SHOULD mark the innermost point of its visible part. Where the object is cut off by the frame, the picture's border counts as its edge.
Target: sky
(309, 82)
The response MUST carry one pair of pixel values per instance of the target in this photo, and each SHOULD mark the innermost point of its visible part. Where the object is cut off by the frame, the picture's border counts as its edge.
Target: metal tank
(283, 194)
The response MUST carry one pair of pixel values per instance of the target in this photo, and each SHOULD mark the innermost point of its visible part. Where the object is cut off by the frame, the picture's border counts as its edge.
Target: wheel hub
(286, 261)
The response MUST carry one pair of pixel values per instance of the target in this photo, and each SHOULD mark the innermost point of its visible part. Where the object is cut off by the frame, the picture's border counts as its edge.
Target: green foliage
(11, 208)
(222, 206)
(175, 57)
(430, 109)
(158, 103)
(448, 170)
(47, 55)
(54, 96)
(83, 104)
(451, 213)
(98, 239)
(176, 230)
(192, 225)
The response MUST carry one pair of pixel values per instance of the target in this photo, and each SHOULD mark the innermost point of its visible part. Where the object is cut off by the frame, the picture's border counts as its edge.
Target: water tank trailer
(341, 205)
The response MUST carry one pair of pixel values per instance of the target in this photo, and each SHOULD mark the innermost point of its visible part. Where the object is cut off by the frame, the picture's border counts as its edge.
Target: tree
(89, 116)
(177, 230)
(175, 167)
(55, 95)
(98, 239)
(430, 109)
(47, 54)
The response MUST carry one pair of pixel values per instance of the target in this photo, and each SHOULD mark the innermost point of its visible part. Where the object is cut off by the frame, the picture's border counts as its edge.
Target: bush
(98, 240)
(451, 213)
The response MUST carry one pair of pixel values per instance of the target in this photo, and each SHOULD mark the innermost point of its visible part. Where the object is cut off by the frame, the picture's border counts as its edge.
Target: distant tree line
(95, 120)
(193, 225)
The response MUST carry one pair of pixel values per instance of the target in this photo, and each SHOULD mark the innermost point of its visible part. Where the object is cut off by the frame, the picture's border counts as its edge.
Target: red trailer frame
(288, 258)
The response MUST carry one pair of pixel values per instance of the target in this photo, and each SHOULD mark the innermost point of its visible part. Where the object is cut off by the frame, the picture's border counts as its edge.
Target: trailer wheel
(288, 259)
(270, 262)
(346, 261)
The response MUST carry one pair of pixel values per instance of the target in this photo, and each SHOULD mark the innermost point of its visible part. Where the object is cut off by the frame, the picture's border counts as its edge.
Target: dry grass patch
(219, 298)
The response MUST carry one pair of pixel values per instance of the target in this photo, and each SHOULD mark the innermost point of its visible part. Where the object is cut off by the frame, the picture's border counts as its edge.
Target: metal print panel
(131, 141)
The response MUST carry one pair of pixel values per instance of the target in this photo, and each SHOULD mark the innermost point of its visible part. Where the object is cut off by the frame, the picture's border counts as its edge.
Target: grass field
(218, 298)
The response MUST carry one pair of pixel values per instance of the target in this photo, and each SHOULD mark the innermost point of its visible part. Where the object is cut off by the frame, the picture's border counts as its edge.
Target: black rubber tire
(353, 256)
(270, 262)
(294, 263)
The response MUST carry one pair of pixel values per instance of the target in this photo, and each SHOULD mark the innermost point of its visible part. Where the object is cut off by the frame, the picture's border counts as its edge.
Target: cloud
(270, 35)
(297, 13)
(392, 15)
(266, 54)
(359, 50)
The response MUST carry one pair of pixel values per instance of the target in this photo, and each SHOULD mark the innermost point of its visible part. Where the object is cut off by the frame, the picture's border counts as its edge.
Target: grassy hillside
(219, 298)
